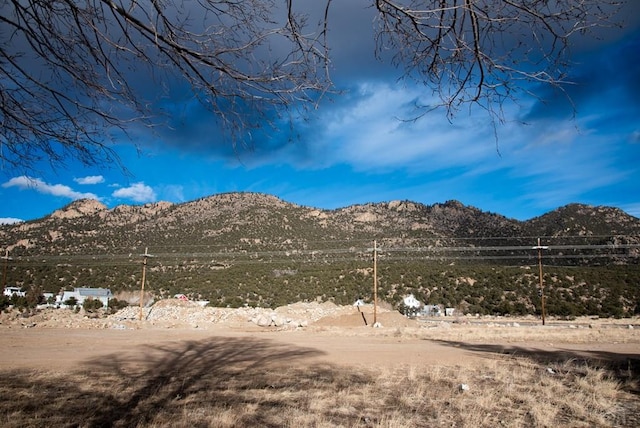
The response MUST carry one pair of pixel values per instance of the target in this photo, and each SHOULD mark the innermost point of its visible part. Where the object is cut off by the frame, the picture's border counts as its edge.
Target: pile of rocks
(52, 318)
(175, 312)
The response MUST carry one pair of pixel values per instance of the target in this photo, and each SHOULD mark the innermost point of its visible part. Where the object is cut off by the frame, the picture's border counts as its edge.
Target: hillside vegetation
(251, 249)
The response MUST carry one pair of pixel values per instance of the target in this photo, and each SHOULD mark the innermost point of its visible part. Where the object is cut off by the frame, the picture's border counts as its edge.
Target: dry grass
(514, 331)
(235, 383)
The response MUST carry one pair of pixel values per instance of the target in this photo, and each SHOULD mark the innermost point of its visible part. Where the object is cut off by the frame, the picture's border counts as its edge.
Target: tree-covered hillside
(251, 249)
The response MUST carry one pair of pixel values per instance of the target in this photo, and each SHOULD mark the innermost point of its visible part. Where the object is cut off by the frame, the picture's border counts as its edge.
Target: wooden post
(363, 317)
(540, 248)
(145, 256)
(375, 283)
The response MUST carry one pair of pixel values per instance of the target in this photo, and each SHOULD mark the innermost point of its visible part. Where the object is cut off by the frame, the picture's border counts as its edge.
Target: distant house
(431, 311)
(84, 293)
(411, 305)
(411, 302)
(14, 291)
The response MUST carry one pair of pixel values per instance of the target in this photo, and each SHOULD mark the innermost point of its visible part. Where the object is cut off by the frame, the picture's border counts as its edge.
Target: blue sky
(353, 149)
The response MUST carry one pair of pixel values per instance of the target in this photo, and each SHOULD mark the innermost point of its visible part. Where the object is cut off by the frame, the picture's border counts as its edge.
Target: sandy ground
(339, 340)
(66, 351)
(62, 349)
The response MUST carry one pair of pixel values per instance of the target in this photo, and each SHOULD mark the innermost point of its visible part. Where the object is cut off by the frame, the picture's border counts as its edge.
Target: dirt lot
(62, 340)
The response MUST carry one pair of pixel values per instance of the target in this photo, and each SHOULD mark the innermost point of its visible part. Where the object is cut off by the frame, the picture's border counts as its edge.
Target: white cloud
(10, 220)
(138, 192)
(543, 162)
(91, 179)
(375, 131)
(174, 193)
(28, 183)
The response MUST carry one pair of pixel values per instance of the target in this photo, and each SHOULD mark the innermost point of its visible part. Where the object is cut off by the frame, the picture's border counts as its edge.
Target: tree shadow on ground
(624, 366)
(184, 383)
(236, 382)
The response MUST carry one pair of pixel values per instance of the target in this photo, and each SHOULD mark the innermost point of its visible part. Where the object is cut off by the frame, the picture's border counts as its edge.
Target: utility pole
(540, 248)
(6, 259)
(375, 283)
(145, 256)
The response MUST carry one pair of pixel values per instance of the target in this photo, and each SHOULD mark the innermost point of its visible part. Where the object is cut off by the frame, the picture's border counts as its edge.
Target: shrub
(71, 301)
(91, 305)
(34, 297)
(115, 304)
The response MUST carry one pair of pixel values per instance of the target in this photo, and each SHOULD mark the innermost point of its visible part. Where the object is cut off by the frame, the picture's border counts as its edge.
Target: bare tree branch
(482, 51)
(74, 74)
(68, 69)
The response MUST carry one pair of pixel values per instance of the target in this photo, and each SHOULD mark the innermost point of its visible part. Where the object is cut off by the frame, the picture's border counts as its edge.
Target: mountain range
(256, 249)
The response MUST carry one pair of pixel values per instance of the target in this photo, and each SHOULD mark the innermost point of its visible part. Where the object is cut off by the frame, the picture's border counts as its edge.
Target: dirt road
(65, 349)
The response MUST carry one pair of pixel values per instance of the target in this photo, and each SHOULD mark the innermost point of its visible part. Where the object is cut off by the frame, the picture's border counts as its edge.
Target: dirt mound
(385, 318)
(177, 313)
(175, 303)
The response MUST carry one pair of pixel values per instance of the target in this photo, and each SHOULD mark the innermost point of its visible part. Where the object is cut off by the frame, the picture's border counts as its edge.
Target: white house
(411, 302)
(431, 311)
(411, 305)
(84, 293)
(14, 291)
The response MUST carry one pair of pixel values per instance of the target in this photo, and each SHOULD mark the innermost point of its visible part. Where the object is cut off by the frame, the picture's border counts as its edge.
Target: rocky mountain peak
(79, 208)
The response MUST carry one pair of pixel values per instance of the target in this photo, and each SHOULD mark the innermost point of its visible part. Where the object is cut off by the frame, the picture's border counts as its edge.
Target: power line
(351, 253)
(322, 261)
